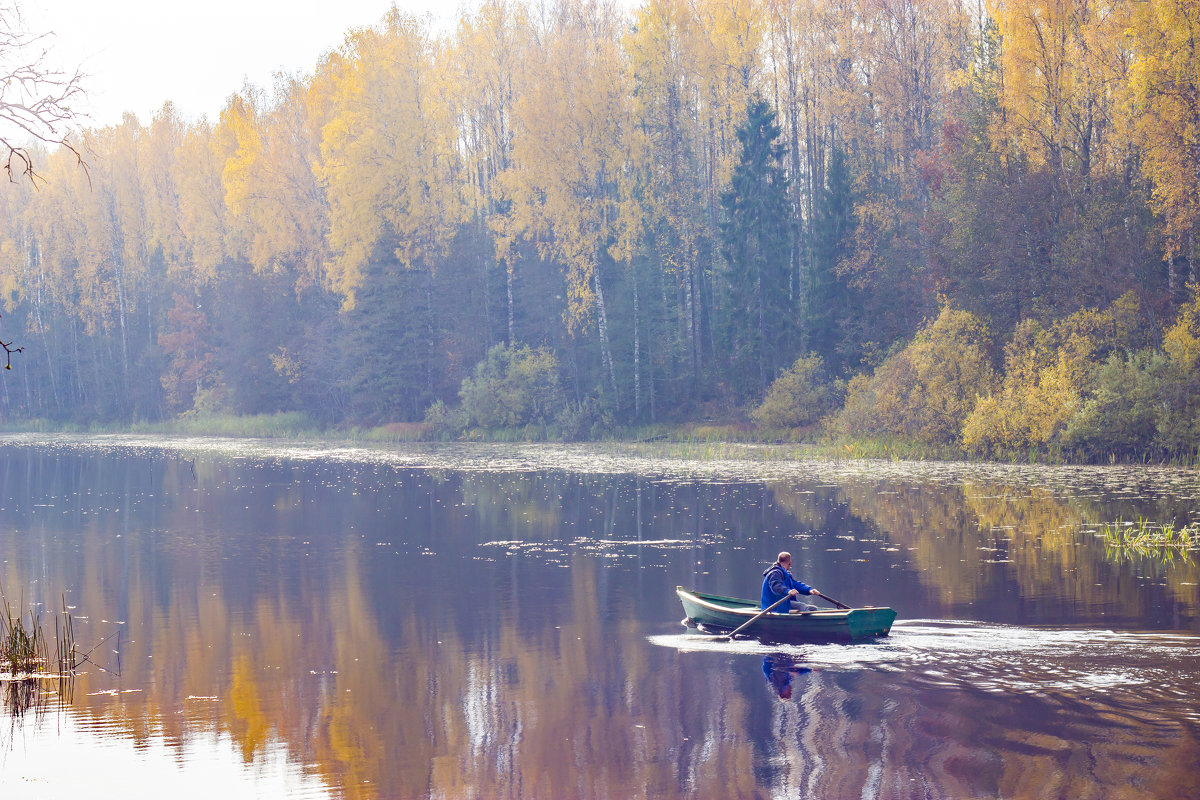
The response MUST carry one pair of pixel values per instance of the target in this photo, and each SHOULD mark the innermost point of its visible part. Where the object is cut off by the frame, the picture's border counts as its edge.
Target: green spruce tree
(759, 327)
(829, 296)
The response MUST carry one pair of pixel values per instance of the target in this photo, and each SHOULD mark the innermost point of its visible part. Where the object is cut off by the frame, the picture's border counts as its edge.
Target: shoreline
(686, 441)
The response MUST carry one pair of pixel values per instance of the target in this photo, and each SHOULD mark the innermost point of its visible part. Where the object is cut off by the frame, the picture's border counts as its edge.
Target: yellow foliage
(1051, 376)
(202, 218)
(10, 270)
(16, 245)
(1162, 37)
(1181, 342)
(688, 63)
(240, 130)
(1063, 86)
(925, 391)
(109, 236)
(287, 364)
(1042, 390)
(388, 153)
(562, 180)
(482, 61)
(277, 210)
(161, 190)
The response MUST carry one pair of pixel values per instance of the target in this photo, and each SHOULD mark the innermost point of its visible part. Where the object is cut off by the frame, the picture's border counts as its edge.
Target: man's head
(785, 559)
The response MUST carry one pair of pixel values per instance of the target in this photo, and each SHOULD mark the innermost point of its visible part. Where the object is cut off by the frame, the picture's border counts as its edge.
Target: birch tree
(486, 57)
(388, 153)
(567, 146)
(1166, 96)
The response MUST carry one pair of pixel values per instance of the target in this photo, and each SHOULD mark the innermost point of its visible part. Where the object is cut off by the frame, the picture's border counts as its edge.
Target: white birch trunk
(512, 326)
(637, 352)
(602, 322)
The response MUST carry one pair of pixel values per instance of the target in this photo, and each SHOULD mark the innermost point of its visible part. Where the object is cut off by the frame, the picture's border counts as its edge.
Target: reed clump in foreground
(28, 657)
(25, 646)
(1148, 538)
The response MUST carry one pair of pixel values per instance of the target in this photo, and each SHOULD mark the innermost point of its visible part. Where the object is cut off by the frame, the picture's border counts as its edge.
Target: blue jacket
(776, 583)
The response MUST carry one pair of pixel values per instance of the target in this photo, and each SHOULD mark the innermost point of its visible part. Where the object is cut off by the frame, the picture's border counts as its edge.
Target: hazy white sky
(138, 54)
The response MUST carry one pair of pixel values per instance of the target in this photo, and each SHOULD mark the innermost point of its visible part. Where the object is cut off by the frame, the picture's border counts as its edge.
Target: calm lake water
(295, 621)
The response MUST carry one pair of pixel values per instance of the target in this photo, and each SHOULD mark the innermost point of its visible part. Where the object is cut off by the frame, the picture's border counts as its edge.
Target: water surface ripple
(316, 619)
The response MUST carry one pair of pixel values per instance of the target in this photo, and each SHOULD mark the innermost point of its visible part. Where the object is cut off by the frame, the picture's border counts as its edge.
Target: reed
(22, 647)
(25, 648)
(26, 663)
(886, 448)
(1148, 538)
(280, 425)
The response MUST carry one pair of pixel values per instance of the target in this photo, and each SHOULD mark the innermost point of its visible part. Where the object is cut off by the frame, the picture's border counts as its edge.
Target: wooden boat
(717, 614)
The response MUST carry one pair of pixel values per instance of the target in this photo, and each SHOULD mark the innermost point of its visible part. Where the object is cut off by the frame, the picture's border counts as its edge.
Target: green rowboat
(717, 614)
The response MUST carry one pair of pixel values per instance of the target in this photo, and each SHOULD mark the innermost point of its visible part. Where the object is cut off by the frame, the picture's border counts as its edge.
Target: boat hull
(719, 614)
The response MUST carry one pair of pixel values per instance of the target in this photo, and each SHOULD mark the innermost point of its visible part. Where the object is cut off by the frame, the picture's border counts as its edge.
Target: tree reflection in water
(400, 632)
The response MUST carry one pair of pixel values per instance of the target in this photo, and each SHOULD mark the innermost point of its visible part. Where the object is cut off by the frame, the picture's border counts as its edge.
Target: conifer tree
(828, 297)
(759, 317)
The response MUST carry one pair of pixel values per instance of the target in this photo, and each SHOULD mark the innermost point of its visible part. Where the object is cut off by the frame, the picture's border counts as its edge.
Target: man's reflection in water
(780, 670)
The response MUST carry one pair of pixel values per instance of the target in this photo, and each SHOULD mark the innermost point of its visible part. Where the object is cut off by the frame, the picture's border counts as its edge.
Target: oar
(837, 603)
(751, 621)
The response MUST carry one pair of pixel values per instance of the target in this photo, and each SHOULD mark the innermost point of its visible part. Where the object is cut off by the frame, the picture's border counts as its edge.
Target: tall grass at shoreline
(23, 649)
(283, 425)
(684, 440)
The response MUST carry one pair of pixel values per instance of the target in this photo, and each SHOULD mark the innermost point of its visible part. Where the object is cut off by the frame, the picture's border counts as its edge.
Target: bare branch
(8, 351)
(36, 99)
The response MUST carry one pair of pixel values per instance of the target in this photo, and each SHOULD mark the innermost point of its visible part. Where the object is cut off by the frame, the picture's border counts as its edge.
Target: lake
(281, 620)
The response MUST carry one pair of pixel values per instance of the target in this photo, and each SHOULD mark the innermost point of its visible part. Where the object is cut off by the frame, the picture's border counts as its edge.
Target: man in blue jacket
(777, 582)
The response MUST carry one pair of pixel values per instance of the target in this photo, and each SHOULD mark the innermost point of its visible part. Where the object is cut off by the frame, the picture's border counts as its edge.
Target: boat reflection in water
(781, 670)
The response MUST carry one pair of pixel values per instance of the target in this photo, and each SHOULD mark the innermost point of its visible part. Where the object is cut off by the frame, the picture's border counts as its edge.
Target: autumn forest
(968, 223)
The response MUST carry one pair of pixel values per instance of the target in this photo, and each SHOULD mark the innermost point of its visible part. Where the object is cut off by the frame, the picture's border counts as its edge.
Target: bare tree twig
(8, 351)
(36, 99)
(36, 103)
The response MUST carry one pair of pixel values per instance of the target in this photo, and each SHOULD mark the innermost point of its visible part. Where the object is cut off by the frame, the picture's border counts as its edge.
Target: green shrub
(446, 422)
(1144, 402)
(800, 396)
(580, 421)
(1177, 418)
(511, 387)
(1091, 384)
(1121, 416)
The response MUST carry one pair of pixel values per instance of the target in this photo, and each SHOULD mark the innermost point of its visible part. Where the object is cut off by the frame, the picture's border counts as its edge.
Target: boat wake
(1003, 658)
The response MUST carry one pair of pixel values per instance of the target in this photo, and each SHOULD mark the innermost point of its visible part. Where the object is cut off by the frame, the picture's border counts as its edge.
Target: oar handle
(837, 603)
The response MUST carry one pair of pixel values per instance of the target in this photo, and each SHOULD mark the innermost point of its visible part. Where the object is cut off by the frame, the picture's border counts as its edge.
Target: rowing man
(778, 581)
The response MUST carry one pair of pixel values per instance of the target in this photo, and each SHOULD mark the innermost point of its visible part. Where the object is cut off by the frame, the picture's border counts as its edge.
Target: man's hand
(814, 591)
(793, 593)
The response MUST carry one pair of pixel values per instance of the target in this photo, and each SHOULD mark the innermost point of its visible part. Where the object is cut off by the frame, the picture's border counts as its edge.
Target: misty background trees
(669, 206)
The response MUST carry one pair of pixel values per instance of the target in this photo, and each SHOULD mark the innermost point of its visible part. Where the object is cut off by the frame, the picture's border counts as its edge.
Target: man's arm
(803, 587)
